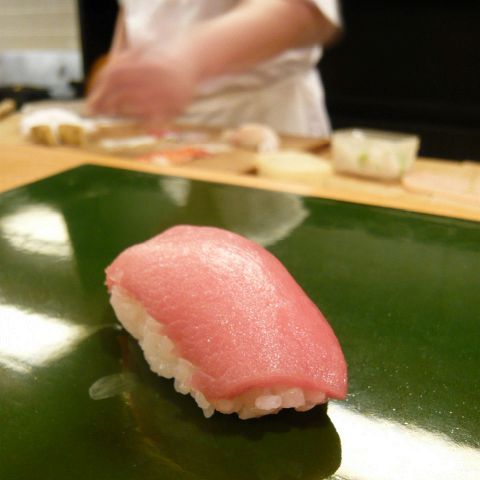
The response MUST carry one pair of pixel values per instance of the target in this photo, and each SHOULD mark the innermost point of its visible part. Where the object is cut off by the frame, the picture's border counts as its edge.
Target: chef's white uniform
(284, 92)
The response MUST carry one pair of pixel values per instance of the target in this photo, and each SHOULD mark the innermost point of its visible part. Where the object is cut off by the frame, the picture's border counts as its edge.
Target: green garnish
(363, 159)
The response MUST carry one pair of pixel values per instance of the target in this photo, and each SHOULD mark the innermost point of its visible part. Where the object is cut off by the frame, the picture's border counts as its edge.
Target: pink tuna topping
(233, 311)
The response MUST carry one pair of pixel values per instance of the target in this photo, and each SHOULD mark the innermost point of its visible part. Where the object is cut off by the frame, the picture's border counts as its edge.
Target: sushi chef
(219, 63)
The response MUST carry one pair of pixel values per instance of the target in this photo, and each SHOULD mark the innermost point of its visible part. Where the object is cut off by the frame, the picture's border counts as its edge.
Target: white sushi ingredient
(294, 166)
(294, 398)
(268, 402)
(463, 186)
(253, 136)
(53, 119)
(369, 153)
(159, 351)
(128, 142)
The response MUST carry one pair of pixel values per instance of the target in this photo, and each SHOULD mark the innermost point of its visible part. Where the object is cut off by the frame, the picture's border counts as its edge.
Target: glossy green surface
(401, 290)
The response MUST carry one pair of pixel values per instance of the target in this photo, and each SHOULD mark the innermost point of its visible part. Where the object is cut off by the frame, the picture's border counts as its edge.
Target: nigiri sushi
(224, 318)
(253, 136)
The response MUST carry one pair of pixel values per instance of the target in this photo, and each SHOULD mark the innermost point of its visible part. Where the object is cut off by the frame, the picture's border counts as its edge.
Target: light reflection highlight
(177, 190)
(378, 449)
(39, 229)
(30, 339)
(262, 216)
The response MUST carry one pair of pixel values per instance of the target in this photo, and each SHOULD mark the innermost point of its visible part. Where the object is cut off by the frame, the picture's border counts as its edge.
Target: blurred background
(40, 48)
(410, 66)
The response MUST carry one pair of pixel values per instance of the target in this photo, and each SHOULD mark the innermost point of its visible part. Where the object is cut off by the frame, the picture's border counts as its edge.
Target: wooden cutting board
(236, 161)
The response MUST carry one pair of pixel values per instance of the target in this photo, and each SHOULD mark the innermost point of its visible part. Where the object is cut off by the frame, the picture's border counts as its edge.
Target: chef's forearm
(251, 33)
(119, 40)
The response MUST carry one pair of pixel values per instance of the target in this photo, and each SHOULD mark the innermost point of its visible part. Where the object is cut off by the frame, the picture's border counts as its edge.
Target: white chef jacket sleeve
(330, 9)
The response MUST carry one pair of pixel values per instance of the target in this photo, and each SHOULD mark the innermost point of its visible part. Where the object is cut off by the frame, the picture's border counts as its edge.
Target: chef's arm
(156, 82)
(254, 31)
(119, 40)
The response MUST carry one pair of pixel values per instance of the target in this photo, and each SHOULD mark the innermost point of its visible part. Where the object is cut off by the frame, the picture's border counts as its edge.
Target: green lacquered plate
(78, 401)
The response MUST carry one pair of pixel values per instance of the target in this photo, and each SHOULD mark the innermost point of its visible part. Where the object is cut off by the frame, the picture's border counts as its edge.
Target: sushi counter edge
(22, 163)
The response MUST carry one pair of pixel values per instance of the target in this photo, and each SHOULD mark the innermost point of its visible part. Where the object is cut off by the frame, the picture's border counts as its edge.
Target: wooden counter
(21, 163)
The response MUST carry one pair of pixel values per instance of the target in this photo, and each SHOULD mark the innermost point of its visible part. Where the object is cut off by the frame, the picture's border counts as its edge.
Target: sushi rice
(159, 351)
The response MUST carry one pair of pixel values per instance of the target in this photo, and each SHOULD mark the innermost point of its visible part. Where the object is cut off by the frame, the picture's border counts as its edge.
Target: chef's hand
(150, 85)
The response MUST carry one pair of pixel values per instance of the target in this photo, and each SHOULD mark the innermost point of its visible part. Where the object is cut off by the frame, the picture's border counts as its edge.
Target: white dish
(371, 153)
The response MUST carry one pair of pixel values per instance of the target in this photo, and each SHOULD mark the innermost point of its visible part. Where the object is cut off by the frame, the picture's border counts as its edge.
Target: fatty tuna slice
(233, 312)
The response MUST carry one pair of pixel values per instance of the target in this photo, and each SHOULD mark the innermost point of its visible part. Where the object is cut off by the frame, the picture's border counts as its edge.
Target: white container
(375, 154)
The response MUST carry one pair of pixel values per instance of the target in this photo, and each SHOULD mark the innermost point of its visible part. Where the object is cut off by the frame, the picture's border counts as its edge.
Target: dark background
(409, 66)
